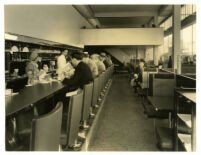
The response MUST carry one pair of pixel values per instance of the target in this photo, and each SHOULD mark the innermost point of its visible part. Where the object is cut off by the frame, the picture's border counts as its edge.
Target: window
(187, 10)
(187, 46)
(188, 40)
(194, 39)
(162, 25)
(166, 44)
(168, 23)
(194, 9)
(188, 37)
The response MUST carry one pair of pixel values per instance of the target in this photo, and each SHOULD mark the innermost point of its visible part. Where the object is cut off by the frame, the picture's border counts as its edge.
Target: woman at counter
(32, 68)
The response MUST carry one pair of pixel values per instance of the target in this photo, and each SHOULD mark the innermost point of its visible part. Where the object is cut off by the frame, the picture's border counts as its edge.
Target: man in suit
(83, 74)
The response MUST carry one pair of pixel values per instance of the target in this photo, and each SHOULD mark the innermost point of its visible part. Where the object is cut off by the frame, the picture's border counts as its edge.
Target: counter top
(191, 95)
(30, 95)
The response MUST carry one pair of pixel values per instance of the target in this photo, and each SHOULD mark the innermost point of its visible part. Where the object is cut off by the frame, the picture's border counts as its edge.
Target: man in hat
(82, 74)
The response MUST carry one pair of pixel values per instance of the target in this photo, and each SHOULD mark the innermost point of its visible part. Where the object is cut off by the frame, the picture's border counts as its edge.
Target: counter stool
(88, 91)
(45, 131)
(69, 136)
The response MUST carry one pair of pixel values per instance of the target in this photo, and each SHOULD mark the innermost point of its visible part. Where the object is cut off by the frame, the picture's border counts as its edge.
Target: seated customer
(99, 63)
(92, 65)
(137, 76)
(104, 60)
(82, 74)
(108, 58)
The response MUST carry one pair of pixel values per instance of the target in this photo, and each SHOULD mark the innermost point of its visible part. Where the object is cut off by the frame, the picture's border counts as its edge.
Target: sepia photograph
(99, 77)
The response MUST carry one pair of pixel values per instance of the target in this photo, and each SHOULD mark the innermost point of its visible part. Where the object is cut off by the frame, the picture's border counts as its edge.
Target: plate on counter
(55, 80)
(28, 85)
(7, 95)
(44, 82)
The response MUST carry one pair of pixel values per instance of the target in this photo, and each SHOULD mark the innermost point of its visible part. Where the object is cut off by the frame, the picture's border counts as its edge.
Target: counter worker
(64, 68)
(33, 76)
(92, 65)
(32, 68)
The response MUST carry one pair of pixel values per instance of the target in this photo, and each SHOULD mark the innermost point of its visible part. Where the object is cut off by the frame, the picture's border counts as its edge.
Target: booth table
(162, 103)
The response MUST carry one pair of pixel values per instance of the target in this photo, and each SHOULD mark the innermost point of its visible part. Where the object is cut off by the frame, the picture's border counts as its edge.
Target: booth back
(145, 78)
(161, 84)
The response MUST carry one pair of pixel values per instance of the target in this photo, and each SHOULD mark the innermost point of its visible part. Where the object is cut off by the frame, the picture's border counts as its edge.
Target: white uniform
(64, 69)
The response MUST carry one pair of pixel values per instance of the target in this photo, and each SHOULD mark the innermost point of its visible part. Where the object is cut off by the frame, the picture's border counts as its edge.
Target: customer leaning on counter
(83, 74)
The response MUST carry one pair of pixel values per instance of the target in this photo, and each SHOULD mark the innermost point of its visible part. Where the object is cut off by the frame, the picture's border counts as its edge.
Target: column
(156, 20)
(155, 48)
(137, 52)
(155, 55)
(176, 27)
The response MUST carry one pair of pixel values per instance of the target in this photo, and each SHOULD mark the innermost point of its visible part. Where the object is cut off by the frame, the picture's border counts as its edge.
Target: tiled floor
(124, 126)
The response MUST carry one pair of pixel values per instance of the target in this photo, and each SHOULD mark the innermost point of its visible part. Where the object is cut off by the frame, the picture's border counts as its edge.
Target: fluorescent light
(10, 37)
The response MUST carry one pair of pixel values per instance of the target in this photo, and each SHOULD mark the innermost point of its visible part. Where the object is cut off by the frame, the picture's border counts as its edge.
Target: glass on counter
(16, 71)
(8, 92)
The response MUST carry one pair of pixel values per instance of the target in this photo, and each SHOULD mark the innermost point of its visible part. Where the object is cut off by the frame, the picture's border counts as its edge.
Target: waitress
(32, 68)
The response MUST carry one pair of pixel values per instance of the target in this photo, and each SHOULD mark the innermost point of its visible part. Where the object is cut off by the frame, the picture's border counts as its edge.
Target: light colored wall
(60, 23)
(149, 53)
(130, 51)
(141, 52)
(123, 36)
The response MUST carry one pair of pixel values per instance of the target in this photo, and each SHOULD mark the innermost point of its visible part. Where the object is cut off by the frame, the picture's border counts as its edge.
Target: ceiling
(123, 8)
(123, 16)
